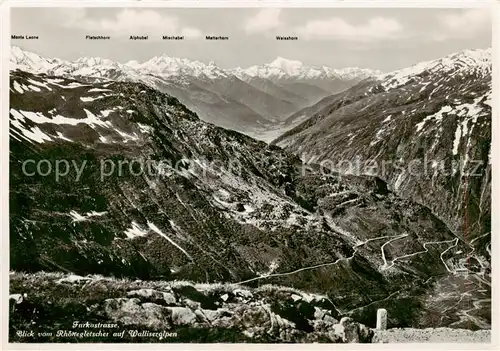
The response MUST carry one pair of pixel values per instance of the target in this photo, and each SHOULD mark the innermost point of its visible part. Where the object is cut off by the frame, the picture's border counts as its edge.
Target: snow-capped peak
(476, 60)
(29, 61)
(172, 66)
(282, 68)
(97, 61)
(167, 66)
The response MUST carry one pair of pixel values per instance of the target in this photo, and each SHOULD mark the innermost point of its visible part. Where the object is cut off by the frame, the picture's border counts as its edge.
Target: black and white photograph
(250, 175)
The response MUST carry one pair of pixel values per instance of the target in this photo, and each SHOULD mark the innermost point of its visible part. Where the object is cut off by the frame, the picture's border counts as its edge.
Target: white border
(4, 161)
(254, 3)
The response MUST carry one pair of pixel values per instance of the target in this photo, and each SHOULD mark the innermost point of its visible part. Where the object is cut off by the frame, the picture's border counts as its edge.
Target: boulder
(169, 298)
(319, 313)
(153, 296)
(329, 319)
(351, 330)
(155, 316)
(194, 305)
(182, 315)
(337, 333)
(255, 317)
(245, 294)
(365, 334)
(129, 311)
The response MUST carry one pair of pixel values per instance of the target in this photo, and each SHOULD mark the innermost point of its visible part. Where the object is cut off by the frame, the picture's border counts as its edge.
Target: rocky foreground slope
(99, 309)
(172, 312)
(216, 206)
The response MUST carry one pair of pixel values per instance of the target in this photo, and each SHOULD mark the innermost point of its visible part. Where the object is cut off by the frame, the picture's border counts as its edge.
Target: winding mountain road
(323, 264)
(384, 267)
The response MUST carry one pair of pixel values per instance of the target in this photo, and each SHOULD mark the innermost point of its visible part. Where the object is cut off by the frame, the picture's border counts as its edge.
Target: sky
(382, 38)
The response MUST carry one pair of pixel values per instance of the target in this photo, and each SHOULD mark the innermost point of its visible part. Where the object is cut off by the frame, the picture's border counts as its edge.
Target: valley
(253, 101)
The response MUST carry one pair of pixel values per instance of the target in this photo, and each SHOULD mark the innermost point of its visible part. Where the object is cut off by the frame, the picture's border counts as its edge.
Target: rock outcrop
(265, 314)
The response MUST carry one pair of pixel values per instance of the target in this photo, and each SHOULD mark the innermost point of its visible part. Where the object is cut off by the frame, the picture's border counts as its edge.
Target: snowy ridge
(166, 66)
(478, 61)
(279, 69)
(28, 61)
(173, 66)
(282, 68)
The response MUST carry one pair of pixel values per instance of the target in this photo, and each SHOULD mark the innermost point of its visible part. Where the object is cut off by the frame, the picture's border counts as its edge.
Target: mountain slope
(267, 105)
(29, 61)
(164, 195)
(435, 116)
(274, 89)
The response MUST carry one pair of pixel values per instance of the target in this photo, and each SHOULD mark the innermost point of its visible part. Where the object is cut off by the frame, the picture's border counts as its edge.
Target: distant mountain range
(246, 100)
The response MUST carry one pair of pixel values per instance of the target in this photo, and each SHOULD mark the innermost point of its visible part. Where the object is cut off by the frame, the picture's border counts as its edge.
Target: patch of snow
(456, 141)
(61, 136)
(34, 88)
(18, 88)
(135, 231)
(88, 99)
(106, 113)
(399, 181)
(55, 80)
(95, 90)
(81, 218)
(40, 84)
(145, 128)
(438, 116)
(378, 137)
(387, 119)
(71, 85)
(94, 213)
(32, 134)
(39, 118)
(127, 137)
